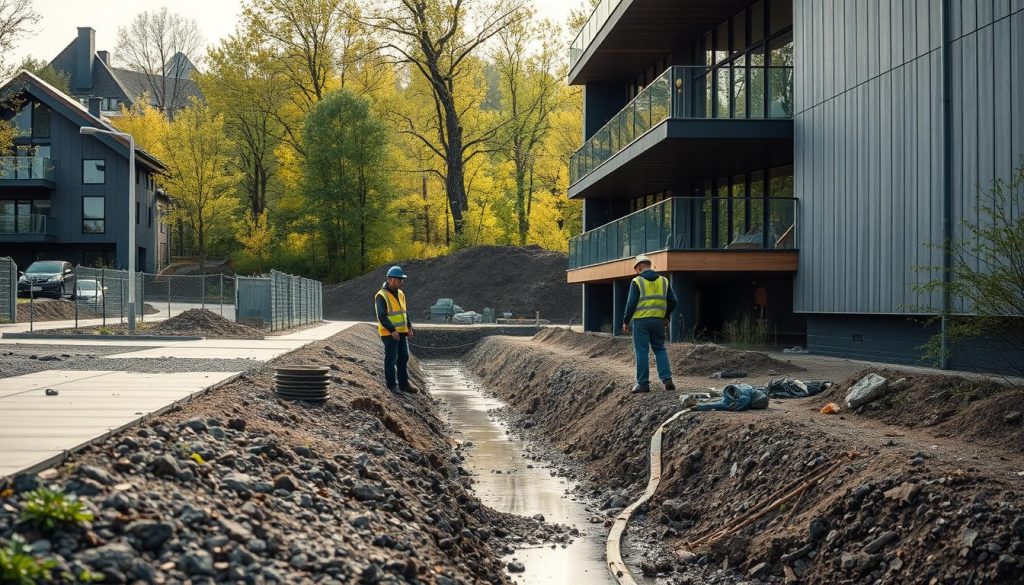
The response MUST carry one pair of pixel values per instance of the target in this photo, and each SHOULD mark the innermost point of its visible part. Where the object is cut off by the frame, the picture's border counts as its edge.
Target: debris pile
(203, 323)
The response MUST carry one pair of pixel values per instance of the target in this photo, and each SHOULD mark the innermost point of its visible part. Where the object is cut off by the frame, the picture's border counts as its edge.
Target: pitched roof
(136, 83)
(70, 107)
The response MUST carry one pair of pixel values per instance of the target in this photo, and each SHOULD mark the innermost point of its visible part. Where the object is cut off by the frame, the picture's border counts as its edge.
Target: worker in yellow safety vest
(648, 307)
(395, 328)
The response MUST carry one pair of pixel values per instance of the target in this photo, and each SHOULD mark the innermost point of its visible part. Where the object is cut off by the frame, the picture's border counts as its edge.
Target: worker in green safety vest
(648, 307)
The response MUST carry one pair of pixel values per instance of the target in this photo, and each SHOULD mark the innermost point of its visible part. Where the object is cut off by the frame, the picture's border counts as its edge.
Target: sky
(216, 18)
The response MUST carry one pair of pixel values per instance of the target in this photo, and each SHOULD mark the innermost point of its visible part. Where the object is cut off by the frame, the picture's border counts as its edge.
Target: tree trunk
(455, 179)
(521, 211)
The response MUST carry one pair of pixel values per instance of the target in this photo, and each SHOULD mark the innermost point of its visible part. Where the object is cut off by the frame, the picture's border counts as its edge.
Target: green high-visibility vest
(653, 301)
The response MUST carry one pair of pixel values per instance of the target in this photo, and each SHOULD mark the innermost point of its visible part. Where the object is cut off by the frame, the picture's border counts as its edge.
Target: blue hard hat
(395, 272)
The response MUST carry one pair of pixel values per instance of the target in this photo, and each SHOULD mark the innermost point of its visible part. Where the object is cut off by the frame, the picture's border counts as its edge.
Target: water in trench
(523, 487)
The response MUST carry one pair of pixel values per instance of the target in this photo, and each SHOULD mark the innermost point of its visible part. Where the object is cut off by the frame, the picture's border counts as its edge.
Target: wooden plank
(703, 260)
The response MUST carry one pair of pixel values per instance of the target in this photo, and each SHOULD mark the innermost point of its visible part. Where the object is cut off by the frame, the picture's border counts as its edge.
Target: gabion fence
(8, 291)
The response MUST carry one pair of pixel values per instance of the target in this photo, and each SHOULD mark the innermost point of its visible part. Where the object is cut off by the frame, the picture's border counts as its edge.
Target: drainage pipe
(613, 550)
(947, 180)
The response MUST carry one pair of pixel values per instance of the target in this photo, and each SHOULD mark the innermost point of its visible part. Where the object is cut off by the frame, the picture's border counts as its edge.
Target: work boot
(669, 385)
(393, 389)
(408, 388)
(639, 388)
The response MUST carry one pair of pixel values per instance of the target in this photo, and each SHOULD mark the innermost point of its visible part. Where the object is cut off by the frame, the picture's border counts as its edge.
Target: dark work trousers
(396, 356)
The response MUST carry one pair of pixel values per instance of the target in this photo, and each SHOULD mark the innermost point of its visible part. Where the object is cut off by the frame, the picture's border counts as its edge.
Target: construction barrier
(8, 290)
(279, 300)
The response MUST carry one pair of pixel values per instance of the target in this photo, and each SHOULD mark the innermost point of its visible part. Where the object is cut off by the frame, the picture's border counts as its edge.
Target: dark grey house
(93, 75)
(785, 159)
(64, 196)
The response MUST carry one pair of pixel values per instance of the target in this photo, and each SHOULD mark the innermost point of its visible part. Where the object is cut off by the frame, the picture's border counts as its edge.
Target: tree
(157, 44)
(17, 17)
(47, 73)
(146, 124)
(985, 288)
(202, 180)
(257, 238)
(525, 59)
(344, 177)
(246, 87)
(439, 39)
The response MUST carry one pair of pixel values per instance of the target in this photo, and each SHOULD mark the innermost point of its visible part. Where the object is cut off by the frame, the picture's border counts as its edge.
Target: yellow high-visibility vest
(397, 313)
(653, 301)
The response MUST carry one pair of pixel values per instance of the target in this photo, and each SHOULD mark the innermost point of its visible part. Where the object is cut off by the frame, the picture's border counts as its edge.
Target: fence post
(103, 287)
(202, 288)
(75, 298)
(121, 280)
(222, 295)
(168, 296)
(140, 310)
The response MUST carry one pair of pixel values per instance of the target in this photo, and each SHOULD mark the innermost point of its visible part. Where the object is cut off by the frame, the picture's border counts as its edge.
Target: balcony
(694, 233)
(622, 37)
(27, 171)
(713, 106)
(27, 228)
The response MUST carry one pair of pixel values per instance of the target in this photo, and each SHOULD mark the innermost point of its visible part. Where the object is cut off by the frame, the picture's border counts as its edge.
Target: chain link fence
(280, 301)
(8, 291)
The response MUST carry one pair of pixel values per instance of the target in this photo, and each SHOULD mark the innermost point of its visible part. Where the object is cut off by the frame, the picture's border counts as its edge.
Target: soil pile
(520, 280)
(982, 410)
(239, 486)
(203, 323)
(867, 502)
(64, 310)
(701, 359)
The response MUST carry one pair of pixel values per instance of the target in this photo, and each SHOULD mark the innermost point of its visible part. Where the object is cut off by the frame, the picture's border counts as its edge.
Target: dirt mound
(947, 406)
(203, 323)
(521, 280)
(63, 310)
(701, 359)
(887, 503)
(238, 486)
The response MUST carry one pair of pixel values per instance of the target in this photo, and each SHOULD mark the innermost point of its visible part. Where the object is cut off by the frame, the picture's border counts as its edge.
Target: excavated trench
(509, 476)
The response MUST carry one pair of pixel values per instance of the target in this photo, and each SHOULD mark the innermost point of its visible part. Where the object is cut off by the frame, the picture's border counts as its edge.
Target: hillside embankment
(239, 486)
(925, 485)
(521, 280)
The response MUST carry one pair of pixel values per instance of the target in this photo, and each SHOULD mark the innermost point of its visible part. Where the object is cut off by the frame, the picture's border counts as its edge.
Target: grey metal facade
(869, 141)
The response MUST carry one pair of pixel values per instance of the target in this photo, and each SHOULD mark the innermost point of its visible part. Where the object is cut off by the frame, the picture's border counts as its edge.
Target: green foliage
(746, 330)
(986, 280)
(346, 149)
(48, 509)
(18, 566)
(104, 330)
(44, 71)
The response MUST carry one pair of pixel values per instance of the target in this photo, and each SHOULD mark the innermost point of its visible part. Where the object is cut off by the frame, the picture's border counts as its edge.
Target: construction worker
(648, 307)
(395, 328)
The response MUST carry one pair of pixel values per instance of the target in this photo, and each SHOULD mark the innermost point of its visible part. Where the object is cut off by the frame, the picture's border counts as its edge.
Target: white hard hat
(640, 259)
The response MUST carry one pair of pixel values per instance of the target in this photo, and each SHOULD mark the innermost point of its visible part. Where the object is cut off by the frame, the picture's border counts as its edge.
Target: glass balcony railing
(27, 225)
(23, 168)
(689, 92)
(598, 17)
(691, 223)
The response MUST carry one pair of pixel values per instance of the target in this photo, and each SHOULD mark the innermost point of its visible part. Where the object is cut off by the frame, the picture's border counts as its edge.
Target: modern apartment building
(792, 160)
(64, 196)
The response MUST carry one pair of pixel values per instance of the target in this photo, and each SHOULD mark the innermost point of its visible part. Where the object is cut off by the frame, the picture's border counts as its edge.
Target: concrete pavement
(38, 431)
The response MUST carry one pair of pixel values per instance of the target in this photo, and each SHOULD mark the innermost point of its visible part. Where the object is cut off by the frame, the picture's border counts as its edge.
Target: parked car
(89, 291)
(55, 278)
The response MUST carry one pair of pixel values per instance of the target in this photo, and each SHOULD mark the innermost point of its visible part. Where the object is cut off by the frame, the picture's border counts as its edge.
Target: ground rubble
(190, 323)
(863, 500)
(238, 486)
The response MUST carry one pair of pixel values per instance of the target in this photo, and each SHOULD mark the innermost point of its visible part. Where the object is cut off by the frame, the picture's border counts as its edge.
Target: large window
(94, 217)
(94, 172)
(40, 120)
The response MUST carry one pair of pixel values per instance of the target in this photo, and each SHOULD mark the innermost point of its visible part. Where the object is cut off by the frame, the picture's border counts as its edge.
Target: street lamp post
(91, 131)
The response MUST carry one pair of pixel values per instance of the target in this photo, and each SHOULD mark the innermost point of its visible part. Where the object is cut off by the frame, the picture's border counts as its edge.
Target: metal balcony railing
(27, 225)
(691, 223)
(23, 168)
(598, 17)
(689, 92)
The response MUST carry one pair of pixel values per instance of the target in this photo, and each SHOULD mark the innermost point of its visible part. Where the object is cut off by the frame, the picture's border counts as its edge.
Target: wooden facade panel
(695, 261)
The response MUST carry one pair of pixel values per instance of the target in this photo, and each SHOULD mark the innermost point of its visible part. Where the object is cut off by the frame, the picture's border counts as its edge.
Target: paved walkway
(38, 431)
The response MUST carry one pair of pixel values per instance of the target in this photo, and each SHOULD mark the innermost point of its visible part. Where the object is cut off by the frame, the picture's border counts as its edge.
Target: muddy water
(523, 486)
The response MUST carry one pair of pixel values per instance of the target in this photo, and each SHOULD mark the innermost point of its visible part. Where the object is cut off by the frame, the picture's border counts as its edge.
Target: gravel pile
(63, 310)
(17, 360)
(203, 323)
(521, 280)
(923, 502)
(241, 487)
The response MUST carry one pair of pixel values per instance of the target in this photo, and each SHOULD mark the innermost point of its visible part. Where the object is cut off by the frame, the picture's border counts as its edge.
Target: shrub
(49, 509)
(18, 564)
(746, 330)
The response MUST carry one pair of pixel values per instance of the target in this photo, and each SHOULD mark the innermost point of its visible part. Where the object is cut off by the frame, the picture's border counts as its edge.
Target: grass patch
(19, 566)
(48, 509)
